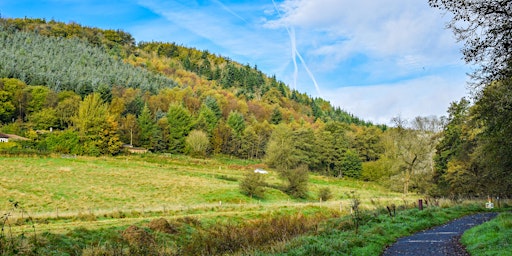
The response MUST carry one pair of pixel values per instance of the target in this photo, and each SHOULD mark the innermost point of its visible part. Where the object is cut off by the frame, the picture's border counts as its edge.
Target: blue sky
(376, 59)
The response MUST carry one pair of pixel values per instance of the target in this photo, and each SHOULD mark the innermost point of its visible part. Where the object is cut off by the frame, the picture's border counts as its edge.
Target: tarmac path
(438, 241)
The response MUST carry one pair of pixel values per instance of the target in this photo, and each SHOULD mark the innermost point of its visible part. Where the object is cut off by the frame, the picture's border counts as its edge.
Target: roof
(12, 136)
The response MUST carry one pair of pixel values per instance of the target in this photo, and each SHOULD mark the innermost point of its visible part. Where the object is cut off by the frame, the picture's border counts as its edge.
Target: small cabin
(4, 137)
(10, 137)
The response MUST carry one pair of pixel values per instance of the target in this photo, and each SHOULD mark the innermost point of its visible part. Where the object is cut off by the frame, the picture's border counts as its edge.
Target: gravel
(441, 240)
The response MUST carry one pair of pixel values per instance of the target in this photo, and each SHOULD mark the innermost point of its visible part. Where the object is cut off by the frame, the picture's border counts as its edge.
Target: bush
(297, 181)
(253, 185)
(325, 194)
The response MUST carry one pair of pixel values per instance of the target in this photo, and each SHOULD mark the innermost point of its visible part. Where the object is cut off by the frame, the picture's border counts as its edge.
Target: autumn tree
(197, 143)
(414, 151)
(67, 107)
(494, 150)
(96, 128)
(281, 152)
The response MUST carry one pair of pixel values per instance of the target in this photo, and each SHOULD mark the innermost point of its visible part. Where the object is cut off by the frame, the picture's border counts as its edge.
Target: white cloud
(405, 33)
(418, 97)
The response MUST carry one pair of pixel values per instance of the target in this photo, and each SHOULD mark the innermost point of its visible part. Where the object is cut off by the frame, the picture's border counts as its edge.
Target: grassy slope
(106, 195)
(50, 187)
(491, 238)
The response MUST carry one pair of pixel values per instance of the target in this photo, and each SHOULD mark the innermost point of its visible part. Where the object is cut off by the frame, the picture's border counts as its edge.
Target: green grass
(60, 186)
(338, 237)
(82, 205)
(491, 238)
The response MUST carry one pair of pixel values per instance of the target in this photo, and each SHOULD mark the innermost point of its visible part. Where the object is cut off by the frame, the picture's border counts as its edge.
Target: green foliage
(206, 119)
(351, 165)
(180, 123)
(281, 152)
(148, 130)
(296, 181)
(276, 117)
(253, 184)
(6, 106)
(237, 122)
(91, 115)
(65, 142)
(44, 119)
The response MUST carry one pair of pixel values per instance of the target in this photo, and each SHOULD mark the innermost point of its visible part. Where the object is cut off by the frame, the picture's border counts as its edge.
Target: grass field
(84, 206)
(69, 186)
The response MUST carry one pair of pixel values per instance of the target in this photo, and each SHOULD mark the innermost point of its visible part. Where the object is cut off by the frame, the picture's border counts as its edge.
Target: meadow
(62, 186)
(109, 206)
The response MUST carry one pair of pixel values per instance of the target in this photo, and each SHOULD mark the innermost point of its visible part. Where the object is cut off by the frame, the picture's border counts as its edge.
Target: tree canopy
(485, 27)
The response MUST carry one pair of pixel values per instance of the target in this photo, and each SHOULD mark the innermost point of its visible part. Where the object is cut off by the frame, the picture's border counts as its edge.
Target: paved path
(438, 241)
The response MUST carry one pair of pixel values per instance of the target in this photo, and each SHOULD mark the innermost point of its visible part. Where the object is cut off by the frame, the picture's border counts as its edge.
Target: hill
(84, 49)
(97, 90)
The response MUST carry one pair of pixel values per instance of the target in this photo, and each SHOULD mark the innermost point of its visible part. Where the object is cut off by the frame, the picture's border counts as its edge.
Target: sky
(375, 59)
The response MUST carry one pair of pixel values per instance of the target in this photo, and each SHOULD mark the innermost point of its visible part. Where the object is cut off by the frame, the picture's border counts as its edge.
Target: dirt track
(441, 240)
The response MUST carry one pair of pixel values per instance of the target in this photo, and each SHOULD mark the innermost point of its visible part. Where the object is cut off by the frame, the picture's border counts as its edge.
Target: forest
(77, 90)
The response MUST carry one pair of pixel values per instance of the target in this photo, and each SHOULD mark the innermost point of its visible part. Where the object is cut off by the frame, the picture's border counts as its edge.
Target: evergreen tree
(147, 128)
(180, 123)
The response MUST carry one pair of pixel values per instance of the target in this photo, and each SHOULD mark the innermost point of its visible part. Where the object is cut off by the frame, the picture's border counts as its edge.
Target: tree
(147, 128)
(206, 119)
(67, 107)
(236, 122)
(197, 143)
(494, 148)
(98, 131)
(180, 123)
(414, 150)
(485, 28)
(276, 117)
(297, 181)
(92, 114)
(281, 152)
(109, 142)
(351, 165)
(455, 145)
(44, 119)
(129, 129)
(7, 108)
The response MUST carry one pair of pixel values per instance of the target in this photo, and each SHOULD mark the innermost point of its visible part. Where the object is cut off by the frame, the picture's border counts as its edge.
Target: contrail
(295, 54)
(230, 11)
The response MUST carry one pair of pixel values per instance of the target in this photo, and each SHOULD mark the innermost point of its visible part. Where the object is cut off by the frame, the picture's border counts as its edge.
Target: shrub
(325, 194)
(253, 185)
(297, 180)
